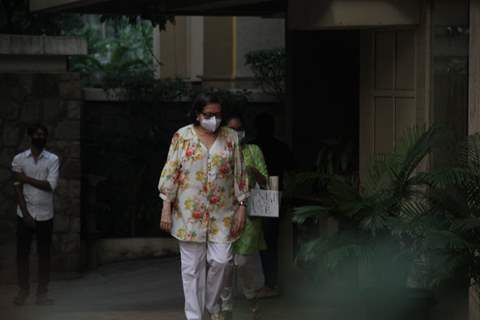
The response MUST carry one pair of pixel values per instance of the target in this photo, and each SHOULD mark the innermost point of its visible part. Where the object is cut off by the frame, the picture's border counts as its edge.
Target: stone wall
(56, 101)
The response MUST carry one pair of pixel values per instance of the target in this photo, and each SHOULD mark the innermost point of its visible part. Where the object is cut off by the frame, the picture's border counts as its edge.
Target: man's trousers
(43, 232)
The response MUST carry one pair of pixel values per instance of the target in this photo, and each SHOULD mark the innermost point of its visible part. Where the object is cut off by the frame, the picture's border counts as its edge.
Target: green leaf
(301, 214)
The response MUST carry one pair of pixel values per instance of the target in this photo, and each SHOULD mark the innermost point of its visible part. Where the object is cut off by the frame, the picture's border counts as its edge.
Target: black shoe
(21, 298)
(44, 300)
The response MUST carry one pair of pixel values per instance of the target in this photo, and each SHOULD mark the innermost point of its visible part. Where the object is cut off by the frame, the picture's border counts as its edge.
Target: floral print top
(204, 186)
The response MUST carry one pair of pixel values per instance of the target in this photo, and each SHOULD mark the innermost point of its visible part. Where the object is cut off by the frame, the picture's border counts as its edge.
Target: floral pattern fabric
(204, 186)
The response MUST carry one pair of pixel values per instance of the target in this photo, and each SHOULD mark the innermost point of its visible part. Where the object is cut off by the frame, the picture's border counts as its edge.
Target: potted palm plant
(455, 198)
(394, 227)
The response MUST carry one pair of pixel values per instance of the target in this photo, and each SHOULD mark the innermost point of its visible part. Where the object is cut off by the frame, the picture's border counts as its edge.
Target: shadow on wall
(115, 250)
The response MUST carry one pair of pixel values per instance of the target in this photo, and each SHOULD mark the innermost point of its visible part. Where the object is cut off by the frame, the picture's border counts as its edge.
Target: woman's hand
(239, 220)
(166, 219)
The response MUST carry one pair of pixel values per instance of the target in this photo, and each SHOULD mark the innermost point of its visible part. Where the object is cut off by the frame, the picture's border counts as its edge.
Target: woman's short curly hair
(202, 100)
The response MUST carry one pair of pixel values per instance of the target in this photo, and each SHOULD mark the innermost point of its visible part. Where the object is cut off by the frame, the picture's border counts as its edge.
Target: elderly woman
(204, 188)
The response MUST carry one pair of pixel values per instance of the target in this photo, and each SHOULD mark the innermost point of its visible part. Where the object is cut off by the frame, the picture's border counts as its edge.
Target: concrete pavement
(146, 289)
(137, 290)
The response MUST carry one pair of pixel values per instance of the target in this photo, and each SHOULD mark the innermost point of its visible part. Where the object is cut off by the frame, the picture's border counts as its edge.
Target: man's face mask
(39, 139)
(39, 142)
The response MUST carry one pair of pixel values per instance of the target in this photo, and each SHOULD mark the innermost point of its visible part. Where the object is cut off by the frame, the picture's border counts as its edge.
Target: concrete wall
(38, 54)
(328, 14)
(180, 48)
(115, 250)
(214, 48)
(257, 34)
(173, 50)
(56, 101)
(218, 49)
(25, 63)
(47, 4)
(42, 45)
(450, 78)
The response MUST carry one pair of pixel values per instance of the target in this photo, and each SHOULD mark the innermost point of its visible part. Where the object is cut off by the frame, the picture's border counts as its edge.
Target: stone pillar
(68, 201)
(474, 303)
(156, 51)
(474, 69)
(474, 114)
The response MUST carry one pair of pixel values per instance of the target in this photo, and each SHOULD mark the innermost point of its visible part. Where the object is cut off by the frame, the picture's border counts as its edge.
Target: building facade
(414, 59)
(363, 70)
(213, 49)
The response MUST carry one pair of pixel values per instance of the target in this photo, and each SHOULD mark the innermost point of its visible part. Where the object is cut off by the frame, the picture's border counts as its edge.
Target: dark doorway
(325, 67)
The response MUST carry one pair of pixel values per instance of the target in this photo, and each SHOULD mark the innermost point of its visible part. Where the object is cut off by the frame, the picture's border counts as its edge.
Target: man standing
(36, 177)
(279, 160)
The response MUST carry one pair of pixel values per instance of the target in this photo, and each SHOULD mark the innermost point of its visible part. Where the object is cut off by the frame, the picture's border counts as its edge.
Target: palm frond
(397, 168)
(469, 152)
(443, 178)
(301, 214)
(345, 253)
(313, 249)
(444, 239)
(467, 224)
(429, 218)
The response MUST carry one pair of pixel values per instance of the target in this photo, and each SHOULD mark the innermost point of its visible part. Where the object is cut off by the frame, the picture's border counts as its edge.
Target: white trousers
(247, 274)
(207, 270)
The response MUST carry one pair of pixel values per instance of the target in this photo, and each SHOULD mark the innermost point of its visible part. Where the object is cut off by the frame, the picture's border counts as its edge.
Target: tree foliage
(117, 50)
(155, 20)
(16, 18)
(270, 70)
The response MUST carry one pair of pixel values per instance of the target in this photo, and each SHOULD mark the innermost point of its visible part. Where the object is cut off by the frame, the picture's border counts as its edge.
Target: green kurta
(251, 240)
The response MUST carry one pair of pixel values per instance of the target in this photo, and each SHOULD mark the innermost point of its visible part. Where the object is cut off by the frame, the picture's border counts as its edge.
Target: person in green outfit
(251, 241)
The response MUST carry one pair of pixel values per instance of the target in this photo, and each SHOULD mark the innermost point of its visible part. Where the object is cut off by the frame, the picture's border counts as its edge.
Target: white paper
(264, 203)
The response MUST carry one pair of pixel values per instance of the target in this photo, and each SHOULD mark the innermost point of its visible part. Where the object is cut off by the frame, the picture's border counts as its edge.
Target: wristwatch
(243, 203)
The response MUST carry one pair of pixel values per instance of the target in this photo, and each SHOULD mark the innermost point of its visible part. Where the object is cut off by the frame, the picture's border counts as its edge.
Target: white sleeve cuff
(243, 197)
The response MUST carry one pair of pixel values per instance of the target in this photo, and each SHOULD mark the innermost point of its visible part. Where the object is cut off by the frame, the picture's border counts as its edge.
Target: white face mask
(211, 124)
(241, 135)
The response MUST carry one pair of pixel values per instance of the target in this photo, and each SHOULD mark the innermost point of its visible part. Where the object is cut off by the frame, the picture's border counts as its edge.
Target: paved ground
(138, 290)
